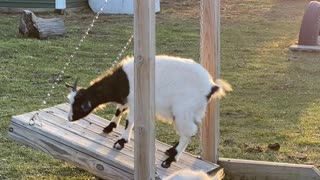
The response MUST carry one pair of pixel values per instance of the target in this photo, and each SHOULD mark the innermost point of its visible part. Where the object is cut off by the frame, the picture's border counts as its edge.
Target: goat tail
(224, 85)
(221, 88)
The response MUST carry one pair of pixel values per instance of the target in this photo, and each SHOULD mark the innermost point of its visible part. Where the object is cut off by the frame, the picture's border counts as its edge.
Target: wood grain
(144, 89)
(246, 169)
(210, 59)
(84, 144)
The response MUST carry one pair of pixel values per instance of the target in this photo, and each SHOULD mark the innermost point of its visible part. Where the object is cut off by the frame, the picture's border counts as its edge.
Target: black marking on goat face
(81, 105)
(213, 90)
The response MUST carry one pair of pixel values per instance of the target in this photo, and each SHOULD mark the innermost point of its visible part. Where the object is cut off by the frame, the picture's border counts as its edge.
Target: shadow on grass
(274, 100)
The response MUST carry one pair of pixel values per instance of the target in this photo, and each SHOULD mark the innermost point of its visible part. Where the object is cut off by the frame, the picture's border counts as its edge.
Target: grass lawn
(274, 100)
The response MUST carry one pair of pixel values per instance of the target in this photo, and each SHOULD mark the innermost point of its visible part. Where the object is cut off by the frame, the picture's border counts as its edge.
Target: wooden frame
(233, 168)
(84, 144)
(210, 59)
(247, 169)
(144, 89)
(144, 82)
(71, 141)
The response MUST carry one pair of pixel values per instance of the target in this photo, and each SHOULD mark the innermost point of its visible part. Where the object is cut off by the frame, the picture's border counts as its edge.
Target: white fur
(71, 99)
(181, 88)
(116, 119)
(188, 175)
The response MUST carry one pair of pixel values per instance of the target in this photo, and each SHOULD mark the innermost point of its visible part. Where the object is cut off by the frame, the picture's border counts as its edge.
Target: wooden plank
(82, 144)
(67, 153)
(305, 48)
(85, 137)
(94, 133)
(108, 155)
(210, 59)
(246, 169)
(303, 53)
(186, 158)
(144, 89)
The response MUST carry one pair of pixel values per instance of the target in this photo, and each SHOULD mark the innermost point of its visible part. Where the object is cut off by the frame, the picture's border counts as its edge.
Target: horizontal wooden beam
(248, 169)
(84, 144)
(303, 53)
(305, 48)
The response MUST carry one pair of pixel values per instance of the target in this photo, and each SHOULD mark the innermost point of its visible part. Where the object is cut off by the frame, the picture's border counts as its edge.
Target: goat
(183, 89)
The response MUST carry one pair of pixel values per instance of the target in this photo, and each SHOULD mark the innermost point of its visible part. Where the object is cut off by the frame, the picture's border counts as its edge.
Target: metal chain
(60, 77)
(33, 119)
(61, 74)
(201, 29)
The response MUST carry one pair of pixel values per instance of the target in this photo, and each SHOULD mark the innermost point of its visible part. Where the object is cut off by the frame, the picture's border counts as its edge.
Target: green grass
(274, 100)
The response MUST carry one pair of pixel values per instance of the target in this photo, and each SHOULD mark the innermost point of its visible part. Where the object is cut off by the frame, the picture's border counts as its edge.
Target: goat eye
(86, 106)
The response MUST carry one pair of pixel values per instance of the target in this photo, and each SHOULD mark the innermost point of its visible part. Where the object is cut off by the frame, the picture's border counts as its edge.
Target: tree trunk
(32, 26)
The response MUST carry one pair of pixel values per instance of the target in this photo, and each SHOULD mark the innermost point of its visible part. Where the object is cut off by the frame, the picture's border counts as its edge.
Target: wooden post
(144, 89)
(210, 59)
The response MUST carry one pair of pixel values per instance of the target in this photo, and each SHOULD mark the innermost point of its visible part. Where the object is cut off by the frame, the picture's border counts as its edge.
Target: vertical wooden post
(210, 59)
(144, 90)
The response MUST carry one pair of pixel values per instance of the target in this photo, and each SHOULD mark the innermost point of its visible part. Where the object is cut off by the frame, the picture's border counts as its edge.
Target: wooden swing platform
(83, 144)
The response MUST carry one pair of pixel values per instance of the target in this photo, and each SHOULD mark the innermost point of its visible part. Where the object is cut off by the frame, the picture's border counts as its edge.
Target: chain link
(35, 118)
(60, 75)
(201, 29)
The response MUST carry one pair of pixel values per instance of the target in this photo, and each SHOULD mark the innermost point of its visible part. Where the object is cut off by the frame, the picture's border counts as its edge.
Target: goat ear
(74, 86)
(69, 86)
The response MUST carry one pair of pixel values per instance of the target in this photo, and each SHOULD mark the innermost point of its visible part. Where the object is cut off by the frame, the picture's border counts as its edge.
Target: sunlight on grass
(274, 100)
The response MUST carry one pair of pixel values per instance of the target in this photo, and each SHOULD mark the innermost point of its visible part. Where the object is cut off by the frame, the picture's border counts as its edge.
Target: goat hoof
(119, 144)
(109, 128)
(172, 151)
(167, 163)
